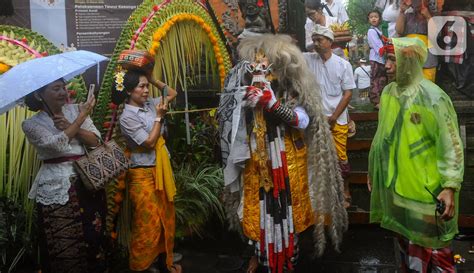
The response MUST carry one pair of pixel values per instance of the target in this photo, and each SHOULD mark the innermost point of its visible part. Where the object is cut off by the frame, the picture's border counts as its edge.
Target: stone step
(359, 144)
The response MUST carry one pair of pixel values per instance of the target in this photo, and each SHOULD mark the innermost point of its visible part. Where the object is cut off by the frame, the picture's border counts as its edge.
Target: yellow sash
(164, 178)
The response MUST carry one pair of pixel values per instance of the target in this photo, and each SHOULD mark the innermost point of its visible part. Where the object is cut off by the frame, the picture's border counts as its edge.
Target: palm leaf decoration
(18, 161)
(184, 40)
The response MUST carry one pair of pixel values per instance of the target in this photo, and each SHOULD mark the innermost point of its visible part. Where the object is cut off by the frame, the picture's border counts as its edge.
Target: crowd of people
(284, 124)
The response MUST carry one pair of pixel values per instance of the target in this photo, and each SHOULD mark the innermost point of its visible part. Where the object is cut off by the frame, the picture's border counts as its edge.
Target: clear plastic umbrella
(31, 75)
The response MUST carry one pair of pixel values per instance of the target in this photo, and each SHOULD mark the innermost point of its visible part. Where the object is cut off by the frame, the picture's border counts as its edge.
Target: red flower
(44, 53)
(112, 106)
(144, 19)
(155, 7)
(72, 93)
(106, 124)
(24, 40)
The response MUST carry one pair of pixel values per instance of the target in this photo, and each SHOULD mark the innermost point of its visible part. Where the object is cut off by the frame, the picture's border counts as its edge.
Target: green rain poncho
(416, 145)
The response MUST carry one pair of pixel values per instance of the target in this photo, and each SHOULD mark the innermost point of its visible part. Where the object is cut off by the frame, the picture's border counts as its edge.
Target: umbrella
(31, 75)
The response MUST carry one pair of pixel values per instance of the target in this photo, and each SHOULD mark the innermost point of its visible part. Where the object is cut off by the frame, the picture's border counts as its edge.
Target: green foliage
(204, 147)
(357, 11)
(198, 197)
(15, 240)
(199, 177)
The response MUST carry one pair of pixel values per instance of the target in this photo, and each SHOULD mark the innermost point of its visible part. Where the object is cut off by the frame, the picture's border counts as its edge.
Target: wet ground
(366, 249)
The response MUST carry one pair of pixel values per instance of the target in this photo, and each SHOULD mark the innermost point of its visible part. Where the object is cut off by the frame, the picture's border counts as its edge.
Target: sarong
(418, 259)
(339, 134)
(378, 80)
(153, 224)
(72, 236)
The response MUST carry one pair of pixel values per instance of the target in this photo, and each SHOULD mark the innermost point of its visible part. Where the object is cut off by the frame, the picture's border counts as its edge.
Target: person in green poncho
(416, 162)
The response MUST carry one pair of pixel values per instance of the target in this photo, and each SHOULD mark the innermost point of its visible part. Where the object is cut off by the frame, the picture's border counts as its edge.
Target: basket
(137, 60)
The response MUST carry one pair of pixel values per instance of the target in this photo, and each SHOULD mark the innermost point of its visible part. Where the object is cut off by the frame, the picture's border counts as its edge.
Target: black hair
(313, 4)
(130, 80)
(33, 103)
(375, 11)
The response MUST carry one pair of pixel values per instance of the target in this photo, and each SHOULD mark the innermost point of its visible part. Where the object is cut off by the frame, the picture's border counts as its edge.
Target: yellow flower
(4, 68)
(213, 39)
(119, 87)
(207, 28)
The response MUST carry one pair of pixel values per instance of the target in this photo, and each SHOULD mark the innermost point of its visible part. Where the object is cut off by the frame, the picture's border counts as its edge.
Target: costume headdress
(294, 76)
(387, 46)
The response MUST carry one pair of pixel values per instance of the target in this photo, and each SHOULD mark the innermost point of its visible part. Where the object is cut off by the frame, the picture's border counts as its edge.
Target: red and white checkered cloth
(418, 259)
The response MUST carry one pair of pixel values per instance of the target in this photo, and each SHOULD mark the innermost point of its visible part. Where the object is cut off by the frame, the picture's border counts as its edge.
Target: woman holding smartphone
(71, 219)
(150, 178)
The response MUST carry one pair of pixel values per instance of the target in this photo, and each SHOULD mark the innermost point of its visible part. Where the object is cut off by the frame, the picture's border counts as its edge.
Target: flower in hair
(119, 80)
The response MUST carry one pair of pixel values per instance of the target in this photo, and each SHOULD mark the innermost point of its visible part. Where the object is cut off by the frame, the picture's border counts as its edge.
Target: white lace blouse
(52, 182)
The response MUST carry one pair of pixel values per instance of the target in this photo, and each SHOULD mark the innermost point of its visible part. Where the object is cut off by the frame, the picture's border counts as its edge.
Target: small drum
(137, 60)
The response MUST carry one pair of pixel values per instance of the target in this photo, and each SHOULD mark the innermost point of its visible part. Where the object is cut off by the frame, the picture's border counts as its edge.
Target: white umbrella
(29, 76)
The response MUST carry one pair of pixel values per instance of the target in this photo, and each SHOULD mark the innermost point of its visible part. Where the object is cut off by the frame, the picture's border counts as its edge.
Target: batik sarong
(72, 236)
(378, 80)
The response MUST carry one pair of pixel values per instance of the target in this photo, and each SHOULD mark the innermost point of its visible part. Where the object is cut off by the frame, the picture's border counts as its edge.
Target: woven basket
(136, 60)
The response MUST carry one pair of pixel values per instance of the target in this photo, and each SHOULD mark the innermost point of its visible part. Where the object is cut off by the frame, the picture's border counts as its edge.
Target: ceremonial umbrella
(31, 75)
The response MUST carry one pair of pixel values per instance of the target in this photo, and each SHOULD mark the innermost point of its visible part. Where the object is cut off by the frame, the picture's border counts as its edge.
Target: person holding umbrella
(71, 220)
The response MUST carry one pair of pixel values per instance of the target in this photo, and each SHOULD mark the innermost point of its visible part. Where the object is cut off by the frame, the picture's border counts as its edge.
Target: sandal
(176, 268)
(347, 202)
(253, 265)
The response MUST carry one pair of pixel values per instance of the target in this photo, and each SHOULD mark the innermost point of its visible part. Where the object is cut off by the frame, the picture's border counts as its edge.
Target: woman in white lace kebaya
(71, 220)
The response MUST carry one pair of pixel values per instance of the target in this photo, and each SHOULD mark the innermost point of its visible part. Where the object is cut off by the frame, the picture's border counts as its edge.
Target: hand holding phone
(164, 95)
(90, 94)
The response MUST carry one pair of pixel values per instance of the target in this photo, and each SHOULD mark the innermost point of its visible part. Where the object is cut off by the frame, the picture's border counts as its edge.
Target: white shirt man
(334, 77)
(309, 28)
(336, 80)
(362, 75)
(337, 10)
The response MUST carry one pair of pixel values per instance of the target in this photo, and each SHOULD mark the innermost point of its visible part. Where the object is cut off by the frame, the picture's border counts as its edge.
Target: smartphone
(91, 91)
(164, 95)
